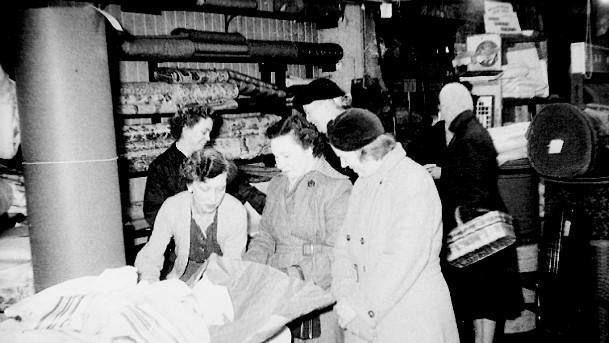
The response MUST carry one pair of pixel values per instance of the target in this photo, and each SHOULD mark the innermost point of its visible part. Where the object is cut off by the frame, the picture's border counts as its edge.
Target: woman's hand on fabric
(292, 272)
(434, 171)
(362, 328)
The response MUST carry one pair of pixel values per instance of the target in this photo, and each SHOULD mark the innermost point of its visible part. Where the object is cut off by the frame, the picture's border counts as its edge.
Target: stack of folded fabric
(241, 136)
(510, 141)
(160, 97)
(247, 85)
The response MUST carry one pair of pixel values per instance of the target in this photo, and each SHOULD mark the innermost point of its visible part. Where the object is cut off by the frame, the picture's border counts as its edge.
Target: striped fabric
(164, 312)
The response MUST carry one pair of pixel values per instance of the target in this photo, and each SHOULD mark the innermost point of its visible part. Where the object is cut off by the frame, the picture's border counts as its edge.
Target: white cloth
(10, 133)
(510, 141)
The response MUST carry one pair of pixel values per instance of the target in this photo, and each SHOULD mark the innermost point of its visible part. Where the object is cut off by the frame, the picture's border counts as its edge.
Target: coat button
(361, 240)
(348, 238)
(371, 314)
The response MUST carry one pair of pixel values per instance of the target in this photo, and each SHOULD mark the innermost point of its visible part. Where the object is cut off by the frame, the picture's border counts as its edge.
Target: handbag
(307, 326)
(479, 237)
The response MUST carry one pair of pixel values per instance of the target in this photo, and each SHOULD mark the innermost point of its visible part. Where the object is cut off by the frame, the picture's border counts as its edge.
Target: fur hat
(318, 89)
(354, 129)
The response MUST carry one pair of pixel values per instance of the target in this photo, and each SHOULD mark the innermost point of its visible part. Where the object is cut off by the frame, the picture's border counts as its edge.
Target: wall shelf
(155, 7)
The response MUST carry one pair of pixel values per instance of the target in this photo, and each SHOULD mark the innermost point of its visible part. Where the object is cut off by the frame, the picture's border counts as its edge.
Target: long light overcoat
(387, 266)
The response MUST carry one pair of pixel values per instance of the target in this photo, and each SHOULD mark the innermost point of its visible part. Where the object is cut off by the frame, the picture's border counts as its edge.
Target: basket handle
(458, 214)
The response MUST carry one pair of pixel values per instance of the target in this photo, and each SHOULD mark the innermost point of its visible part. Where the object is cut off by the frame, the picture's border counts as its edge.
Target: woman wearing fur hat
(386, 274)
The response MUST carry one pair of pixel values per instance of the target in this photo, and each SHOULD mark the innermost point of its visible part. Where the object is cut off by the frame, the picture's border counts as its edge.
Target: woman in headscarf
(386, 275)
(305, 206)
(487, 292)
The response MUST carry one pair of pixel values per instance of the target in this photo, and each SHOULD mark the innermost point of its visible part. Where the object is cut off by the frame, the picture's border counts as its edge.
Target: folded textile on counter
(113, 307)
(159, 97)
(510, 141)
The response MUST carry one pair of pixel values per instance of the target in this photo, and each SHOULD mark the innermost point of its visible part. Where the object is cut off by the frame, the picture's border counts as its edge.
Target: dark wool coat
(164, 180)
(489, 288)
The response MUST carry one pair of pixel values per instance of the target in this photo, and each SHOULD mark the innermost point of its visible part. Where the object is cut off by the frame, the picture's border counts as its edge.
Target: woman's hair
(345, 101)
(204, 164)
(187, 116)
(304, 133)
(378, 148)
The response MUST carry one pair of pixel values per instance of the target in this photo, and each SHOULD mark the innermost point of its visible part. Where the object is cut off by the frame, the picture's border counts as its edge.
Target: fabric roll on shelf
(567, 142)
(247, 85)
(159, 97)
(209, 36)
(159, 48)
(186, 48)
(182, 75)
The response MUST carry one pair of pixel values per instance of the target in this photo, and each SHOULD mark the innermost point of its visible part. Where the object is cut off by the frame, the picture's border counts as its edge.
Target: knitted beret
(354, 129)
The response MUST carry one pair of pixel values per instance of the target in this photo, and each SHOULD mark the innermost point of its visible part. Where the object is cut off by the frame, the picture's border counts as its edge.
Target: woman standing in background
(487, 292)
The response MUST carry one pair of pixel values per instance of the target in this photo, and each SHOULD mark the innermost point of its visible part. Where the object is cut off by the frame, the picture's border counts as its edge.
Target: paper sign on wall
(499, 17)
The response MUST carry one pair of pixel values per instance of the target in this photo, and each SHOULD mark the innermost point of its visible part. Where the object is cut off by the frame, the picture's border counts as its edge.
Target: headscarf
(455, 98)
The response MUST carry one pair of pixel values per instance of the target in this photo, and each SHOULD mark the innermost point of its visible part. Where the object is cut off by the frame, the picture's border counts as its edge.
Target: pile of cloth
(234, 301)
(510, 141)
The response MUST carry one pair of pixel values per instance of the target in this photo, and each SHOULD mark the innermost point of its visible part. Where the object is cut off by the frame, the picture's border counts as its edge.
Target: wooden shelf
(531, 101)
(155, 7)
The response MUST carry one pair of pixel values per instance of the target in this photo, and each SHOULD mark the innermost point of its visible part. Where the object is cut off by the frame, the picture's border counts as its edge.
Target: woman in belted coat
(304, 208)
(386, 275)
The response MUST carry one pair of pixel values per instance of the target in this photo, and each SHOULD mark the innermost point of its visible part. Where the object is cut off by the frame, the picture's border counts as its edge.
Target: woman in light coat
(386, 274)
(305, 206)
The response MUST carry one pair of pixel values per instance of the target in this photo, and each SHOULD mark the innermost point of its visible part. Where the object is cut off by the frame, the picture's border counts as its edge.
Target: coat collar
(461, 121)
(325, 168)
(389, 161)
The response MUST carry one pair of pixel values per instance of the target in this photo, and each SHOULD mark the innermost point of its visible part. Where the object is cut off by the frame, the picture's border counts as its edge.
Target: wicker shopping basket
(479, 237)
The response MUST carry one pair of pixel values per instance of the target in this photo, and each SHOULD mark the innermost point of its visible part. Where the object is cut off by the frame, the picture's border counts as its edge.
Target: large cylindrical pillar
(69, 148)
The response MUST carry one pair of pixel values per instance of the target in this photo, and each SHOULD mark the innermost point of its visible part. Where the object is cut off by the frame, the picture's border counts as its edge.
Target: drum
(518, 187)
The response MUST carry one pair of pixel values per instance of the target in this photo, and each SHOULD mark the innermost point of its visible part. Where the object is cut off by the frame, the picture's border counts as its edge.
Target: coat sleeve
(155, 193)
(150, 259)
(406, 252)
(262, 244)
(319, 267)
(232, 236)
(476, 166)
